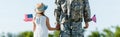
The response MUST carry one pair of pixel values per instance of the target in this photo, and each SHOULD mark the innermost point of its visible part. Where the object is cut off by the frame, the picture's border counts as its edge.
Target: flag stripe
(28, 17)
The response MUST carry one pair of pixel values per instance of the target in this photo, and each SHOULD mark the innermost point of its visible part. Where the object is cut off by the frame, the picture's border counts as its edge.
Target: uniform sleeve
(86, 12)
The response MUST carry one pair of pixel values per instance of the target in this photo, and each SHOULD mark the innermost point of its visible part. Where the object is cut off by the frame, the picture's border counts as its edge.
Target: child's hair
(42, 13)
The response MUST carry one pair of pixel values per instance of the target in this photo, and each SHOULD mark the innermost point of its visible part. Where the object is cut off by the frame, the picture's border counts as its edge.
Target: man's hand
(86, 25)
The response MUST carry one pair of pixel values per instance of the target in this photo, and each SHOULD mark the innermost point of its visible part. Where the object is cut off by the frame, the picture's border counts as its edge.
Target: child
(41, 22)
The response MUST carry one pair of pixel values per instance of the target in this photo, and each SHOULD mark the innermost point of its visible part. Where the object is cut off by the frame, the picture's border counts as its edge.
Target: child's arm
(48, 25)
(34, 25)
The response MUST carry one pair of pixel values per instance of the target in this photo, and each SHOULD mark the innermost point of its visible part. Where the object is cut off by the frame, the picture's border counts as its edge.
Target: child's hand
(58, 26)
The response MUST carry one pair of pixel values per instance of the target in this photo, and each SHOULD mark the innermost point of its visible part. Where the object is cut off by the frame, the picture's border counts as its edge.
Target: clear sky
(12, 14)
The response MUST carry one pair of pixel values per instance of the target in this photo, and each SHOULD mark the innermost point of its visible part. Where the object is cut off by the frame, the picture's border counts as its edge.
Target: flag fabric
(28, 17)
(94, 18)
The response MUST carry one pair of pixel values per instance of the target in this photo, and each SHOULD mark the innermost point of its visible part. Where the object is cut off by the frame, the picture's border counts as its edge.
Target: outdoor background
(12, 16)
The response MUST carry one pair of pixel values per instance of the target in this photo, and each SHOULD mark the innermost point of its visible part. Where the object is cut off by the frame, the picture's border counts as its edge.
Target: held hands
(58, 26)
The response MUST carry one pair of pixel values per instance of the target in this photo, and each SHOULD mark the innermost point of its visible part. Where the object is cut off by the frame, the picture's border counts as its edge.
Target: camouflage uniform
(70, 14)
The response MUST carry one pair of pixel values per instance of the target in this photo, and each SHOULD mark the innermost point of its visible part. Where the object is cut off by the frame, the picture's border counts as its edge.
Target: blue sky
(12, 14)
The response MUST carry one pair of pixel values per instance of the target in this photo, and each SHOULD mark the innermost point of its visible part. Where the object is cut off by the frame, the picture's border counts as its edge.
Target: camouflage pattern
(70, 14)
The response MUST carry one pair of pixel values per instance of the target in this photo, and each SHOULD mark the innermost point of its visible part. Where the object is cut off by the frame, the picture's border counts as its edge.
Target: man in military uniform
(70, 14)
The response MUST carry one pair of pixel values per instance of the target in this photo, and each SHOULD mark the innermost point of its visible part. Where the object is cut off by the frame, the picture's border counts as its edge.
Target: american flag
(28, 17)
(94, 18)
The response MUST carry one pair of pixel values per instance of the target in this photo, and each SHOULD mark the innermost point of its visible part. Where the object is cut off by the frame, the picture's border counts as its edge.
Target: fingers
(58, 26)
(86, 27)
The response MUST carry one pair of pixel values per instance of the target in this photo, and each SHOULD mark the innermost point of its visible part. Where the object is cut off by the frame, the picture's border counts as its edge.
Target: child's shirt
(41, 28)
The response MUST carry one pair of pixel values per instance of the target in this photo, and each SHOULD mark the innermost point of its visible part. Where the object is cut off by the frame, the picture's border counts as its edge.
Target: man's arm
(86, 13)
(57, 12)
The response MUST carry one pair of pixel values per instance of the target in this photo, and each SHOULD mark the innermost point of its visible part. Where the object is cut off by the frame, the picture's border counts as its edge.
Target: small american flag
(28, 17)
(94, 18)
